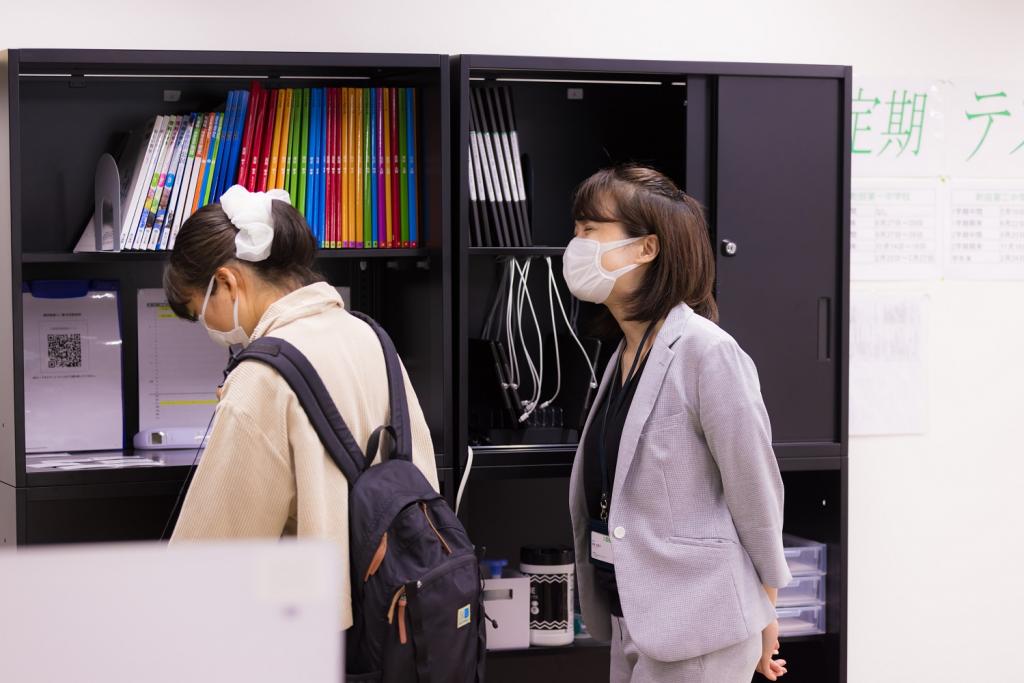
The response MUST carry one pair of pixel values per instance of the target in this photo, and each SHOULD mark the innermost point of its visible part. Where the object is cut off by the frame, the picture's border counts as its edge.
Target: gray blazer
(696, 509)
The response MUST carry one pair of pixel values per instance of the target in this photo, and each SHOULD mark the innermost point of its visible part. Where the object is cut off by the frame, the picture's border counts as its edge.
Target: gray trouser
(734, 664)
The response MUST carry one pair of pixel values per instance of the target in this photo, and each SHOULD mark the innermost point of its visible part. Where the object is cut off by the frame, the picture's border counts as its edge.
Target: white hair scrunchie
(252, 213)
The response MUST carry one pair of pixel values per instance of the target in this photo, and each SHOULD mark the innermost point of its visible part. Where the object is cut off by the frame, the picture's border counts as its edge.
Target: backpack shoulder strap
(399, 427)
(323, 414)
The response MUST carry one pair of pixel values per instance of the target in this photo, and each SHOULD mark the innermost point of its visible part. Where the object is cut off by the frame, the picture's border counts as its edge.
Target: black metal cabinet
(46, 197)
(780, 219)
(764, 147)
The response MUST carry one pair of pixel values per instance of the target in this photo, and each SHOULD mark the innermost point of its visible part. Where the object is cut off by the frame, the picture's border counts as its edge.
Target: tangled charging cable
(553, 287)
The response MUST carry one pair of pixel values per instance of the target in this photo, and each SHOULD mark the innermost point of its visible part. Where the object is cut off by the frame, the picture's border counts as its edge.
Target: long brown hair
(207, 241)
(647, 202)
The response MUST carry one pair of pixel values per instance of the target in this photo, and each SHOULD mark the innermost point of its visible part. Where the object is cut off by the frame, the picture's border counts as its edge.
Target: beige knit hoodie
(264, 472)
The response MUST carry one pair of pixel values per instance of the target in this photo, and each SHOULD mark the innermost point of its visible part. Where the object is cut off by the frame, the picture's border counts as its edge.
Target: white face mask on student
(585, 275)
(235, 336)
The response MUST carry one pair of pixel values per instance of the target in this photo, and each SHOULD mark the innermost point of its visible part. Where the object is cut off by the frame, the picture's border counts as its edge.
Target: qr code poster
(62, 349)
(72, 373)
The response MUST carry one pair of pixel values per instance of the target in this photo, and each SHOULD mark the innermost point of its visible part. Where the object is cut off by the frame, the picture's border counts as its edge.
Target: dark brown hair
(207, 241)
(647, 202)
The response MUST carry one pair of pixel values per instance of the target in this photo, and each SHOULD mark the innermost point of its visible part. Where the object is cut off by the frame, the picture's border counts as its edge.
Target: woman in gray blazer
(675, 496)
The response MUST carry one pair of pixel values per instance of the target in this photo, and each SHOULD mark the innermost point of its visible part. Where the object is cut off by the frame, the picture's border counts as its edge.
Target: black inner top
(621, 397)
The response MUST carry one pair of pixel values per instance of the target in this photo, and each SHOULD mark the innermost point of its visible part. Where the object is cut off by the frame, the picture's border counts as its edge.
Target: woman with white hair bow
(243, 269)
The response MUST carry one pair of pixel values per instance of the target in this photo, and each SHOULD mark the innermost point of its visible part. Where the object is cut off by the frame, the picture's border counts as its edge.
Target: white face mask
(586, 276)
(236, 335)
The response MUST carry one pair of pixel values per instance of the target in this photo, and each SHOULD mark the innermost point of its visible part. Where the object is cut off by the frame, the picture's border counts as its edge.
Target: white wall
(935, 521)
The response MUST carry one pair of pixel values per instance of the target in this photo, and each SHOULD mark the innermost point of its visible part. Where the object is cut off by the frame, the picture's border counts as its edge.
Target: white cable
(540, 336)
(536, 374)
(465, 478)
(510, 350)
(586, 357)
(520, 299)
(527, 405)
(513, 360)
(554, 335)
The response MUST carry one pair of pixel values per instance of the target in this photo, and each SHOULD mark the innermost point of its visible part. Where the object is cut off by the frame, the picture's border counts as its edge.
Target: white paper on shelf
(895, 228)
(72, 373)
(179, 368)
(888, 380)
(111, 464)
(68, 461)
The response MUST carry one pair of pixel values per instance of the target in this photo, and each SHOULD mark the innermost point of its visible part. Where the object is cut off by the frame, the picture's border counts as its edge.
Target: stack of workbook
(499, 214)
(346, 156)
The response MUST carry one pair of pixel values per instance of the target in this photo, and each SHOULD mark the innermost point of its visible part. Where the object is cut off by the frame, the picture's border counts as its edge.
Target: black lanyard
(602, 437)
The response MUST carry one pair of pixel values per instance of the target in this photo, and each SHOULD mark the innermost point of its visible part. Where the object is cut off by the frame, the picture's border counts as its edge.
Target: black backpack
(416, 588)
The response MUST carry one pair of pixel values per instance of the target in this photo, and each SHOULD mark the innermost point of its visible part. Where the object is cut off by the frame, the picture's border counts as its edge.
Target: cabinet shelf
(809, 463)
(516, 251)
(168, 465)
(580, 644)
(555, 460)
(162, 256)
(523, 461)
(93, 257)
(175, 465)
(589, 644)
(372, 253)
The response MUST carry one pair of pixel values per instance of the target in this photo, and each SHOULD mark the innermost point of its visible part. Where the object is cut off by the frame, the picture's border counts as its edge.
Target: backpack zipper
(426, 513)
(394, 602)
(378, 558)
(402, 635)
(400, 601)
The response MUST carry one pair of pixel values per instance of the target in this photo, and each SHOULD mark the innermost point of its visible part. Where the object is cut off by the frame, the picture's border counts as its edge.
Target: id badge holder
(601, 554)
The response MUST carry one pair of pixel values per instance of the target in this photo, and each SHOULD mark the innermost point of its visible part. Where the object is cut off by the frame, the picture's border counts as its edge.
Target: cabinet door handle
(729, 248)
(825, 328)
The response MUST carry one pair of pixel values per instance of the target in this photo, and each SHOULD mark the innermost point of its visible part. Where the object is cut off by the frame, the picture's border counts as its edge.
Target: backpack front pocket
(445, 638)
(399, 652)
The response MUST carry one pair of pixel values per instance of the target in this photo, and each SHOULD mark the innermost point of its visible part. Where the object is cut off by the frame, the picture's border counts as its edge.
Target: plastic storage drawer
(801, 621)
(803, 590)
(805, 558)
